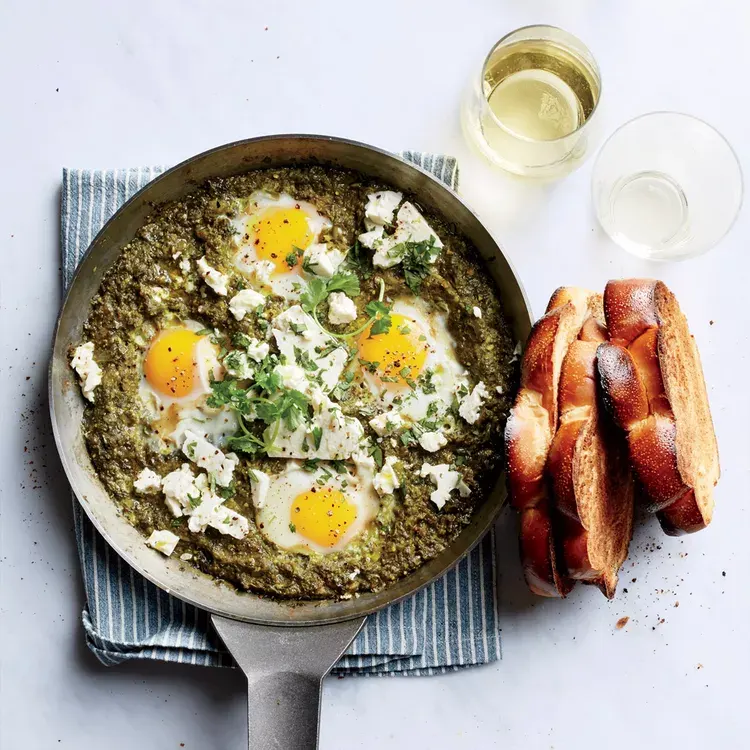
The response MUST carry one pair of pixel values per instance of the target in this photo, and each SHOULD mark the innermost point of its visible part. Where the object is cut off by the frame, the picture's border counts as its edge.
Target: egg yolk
(279, 234)
(398, 355)
(322, 515)
(170, 362)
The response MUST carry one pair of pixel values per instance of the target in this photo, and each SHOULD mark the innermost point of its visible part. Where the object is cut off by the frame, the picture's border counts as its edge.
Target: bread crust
(653, 385)
(528, 435)
(588, 468)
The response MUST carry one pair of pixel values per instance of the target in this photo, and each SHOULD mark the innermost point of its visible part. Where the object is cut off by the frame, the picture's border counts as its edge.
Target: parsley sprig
(417, 259)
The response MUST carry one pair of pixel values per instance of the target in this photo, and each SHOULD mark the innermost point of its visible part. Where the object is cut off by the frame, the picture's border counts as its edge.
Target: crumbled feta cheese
(185, 556)
(354, 574)
(364, 462)
(471, 405)
(380, 208)
(244, 302)
(410, 227)
(386, 480)
(259, 484)
(432, 441)
(209, 457)
(445, 481)
(215, 279)
(386, 422)
(211, 511)
(338, 435)
(179, 487)
(257, 350)
(341, 309)
(372, 238)
(499, 389)
(476, 311)
(294, 330)
(185, 266)
(164, 541)
(293, 377)
(89, 373)
(237, 364)
(147, 481)
(321, 260)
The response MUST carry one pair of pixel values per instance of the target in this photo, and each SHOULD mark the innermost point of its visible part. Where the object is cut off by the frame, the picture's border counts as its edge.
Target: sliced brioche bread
(652, 383)
(589, 470)
(529, 432)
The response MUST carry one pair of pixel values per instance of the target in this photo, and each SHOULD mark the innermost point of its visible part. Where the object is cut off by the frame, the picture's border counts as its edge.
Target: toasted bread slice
(589, 471)
(529, 432)
(652, 382)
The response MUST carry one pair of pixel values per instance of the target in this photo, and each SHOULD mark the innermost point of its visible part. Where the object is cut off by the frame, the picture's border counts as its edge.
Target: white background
(92, 84)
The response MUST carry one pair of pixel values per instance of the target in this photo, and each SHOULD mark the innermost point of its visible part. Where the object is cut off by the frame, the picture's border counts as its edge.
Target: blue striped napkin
(446, 626)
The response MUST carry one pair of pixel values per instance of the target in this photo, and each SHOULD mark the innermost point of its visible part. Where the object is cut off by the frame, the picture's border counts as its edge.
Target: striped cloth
(446, 626)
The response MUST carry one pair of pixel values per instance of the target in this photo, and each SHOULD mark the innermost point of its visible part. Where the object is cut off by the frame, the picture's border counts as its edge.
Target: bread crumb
(700, 666)
(676, 604)
(622, 622)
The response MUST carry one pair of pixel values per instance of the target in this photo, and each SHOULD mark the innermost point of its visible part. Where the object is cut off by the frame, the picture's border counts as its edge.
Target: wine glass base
(649, 213)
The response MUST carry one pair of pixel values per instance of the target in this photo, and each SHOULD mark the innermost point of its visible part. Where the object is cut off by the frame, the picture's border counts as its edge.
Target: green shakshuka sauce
(155, 285)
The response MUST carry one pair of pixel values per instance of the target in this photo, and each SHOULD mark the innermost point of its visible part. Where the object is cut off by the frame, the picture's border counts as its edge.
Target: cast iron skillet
(284, 662)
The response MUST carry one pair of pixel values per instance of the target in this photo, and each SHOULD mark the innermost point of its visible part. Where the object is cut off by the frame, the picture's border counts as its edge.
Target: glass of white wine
(531, 110)
(667, 186)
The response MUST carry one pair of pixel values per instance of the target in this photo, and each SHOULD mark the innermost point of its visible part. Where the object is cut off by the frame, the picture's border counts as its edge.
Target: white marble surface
(93, 84)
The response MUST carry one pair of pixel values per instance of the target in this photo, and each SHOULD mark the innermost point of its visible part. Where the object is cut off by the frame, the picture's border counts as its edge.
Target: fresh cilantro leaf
(417, 261)
(339, 466)
(310, 464)
(304, 360)
(359, 260)
(298, 328)
(293, 258)
(292, 528)
(317, 434)
(347, 283)
(226, 492)
(377, 453)
(370, 366)
(315, 293)
(247, 444)
(240, 340)
(205, 332)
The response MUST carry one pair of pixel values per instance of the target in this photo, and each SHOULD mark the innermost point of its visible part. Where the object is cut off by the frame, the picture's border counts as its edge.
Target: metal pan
(284, 662)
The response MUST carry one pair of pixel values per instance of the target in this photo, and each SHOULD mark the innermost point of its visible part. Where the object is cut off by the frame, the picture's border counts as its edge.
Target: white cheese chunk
(476, 311)
(471, 405)
(179, 488)
(341, 309)
(215, 279)
(294, 330)
(259, 484)
(411, 226)
(293, 377)
(211, 511)
(257, 350)
(499, 389)
(380, 208)
(445, 481)
(386, 480)
(322, 260)
(387, 422)
(371, 239)
(364, 462)
(185, 266)
(185, 556)
(244, 302)
(432, 441)
(209, 457)
(147, 481)
(338, 435)
(89, 373)
(164, 541)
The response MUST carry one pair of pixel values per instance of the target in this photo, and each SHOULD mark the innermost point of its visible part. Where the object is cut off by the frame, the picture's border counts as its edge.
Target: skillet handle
(285, 667)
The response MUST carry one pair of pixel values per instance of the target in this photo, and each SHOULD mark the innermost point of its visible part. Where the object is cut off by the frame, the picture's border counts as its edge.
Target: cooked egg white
(319, 511)
(276, 230)
(413, 364)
